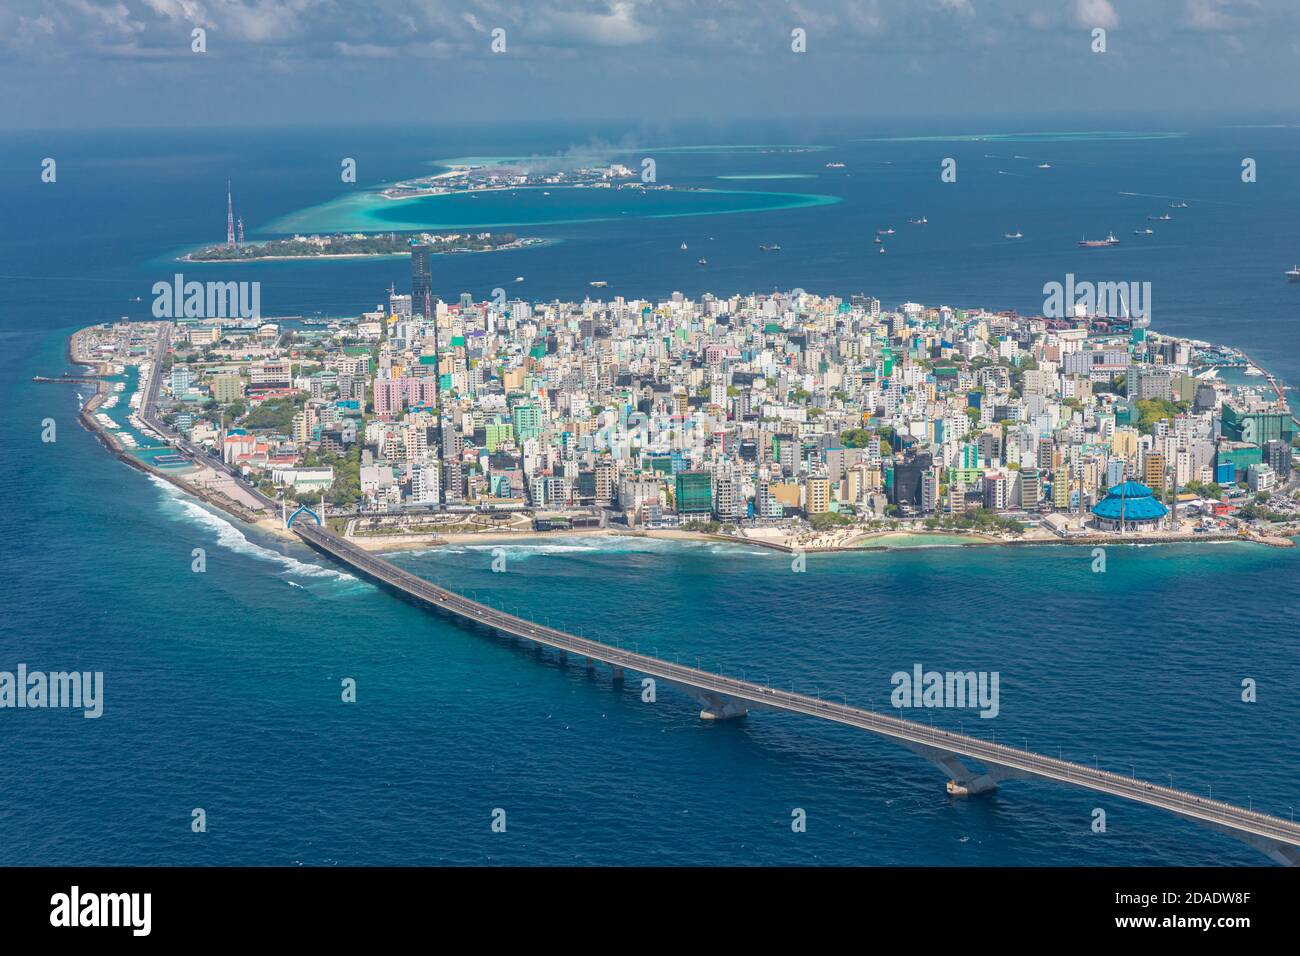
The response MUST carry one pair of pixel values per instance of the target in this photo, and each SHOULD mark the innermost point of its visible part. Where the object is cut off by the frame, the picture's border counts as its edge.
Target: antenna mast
(230, 218)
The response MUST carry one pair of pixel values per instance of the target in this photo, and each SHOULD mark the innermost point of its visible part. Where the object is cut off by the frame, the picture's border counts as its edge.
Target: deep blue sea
(223, 688)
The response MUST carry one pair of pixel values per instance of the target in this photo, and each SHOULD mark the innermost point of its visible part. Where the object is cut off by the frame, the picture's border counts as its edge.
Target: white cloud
(618, 27)
(1219, 15)
(1090, 14)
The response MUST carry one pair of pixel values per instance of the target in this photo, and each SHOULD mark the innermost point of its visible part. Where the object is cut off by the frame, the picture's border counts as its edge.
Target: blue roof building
(1129, 506)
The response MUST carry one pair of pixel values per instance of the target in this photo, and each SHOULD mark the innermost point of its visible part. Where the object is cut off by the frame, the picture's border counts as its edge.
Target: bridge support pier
(618, 675)
(591, 665)
(962, 781)
(717, 707)
(730, 710)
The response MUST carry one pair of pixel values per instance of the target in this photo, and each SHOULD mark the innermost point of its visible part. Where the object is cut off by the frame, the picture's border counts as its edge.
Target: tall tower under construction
(421, 278)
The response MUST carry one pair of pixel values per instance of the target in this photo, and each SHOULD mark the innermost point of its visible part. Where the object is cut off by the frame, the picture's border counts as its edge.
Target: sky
(131, 63)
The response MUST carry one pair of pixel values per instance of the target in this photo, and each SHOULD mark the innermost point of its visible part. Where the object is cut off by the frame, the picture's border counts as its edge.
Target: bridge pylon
(717, 707)
(962, 781)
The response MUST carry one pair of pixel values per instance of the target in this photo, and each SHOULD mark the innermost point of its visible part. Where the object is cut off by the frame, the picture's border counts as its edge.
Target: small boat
(683, 247)
(835, 165)
(918, 222)
(1144, 232)
(1293, 273)
(519, 278)
(882, 250)
(1013, 235)
(545, 193)
(1044, 165)
(769, 248)
(598, 283)
(1164, 218)
(702, 261)
(877, 240)
(1181, 204)
(885, 232)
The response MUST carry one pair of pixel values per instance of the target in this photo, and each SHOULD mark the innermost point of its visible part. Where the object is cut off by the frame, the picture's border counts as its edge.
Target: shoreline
(871, 541)
(85, 415)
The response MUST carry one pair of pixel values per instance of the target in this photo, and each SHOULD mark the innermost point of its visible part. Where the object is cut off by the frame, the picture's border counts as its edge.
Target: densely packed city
(773, 413)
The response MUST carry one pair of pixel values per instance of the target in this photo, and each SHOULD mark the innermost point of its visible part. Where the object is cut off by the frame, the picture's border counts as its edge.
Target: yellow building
(1125, 443)
(819, 495)
(1154, 473)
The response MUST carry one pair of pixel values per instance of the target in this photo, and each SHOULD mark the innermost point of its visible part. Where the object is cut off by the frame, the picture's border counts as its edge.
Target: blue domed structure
(1130, 506)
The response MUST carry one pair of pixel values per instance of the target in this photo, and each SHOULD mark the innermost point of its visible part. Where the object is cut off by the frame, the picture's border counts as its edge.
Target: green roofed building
(497, 434)
(1256, 428)
(528, 421)
(694, 492)
(1240, 455)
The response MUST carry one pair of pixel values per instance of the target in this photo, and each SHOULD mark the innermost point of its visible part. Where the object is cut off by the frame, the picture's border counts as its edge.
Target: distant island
(358, 244)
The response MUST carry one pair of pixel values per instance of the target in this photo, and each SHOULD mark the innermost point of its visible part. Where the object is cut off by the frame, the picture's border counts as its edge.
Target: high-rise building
(995, 492)
(1154, 471)
(605, 482)
(819, 495)
(1061, 487)
(421, 278)
(1277, 455)
(729, 502)
(694, 492)
(907, 486)
(1031, 489)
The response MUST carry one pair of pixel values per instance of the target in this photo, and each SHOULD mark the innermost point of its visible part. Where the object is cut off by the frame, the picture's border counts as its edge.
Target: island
(352, 245)
(785, 420)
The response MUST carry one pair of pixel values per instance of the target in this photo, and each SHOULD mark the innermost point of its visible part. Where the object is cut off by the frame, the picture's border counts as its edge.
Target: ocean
(222, 689)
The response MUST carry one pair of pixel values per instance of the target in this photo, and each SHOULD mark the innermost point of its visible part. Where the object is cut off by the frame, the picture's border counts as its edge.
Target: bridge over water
(725, 697)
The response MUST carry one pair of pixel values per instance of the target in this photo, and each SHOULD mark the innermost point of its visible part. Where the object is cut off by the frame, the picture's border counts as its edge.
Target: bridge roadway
(727, 696)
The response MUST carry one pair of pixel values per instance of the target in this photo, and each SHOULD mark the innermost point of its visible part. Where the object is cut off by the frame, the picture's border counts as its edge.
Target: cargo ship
(1110, 240)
